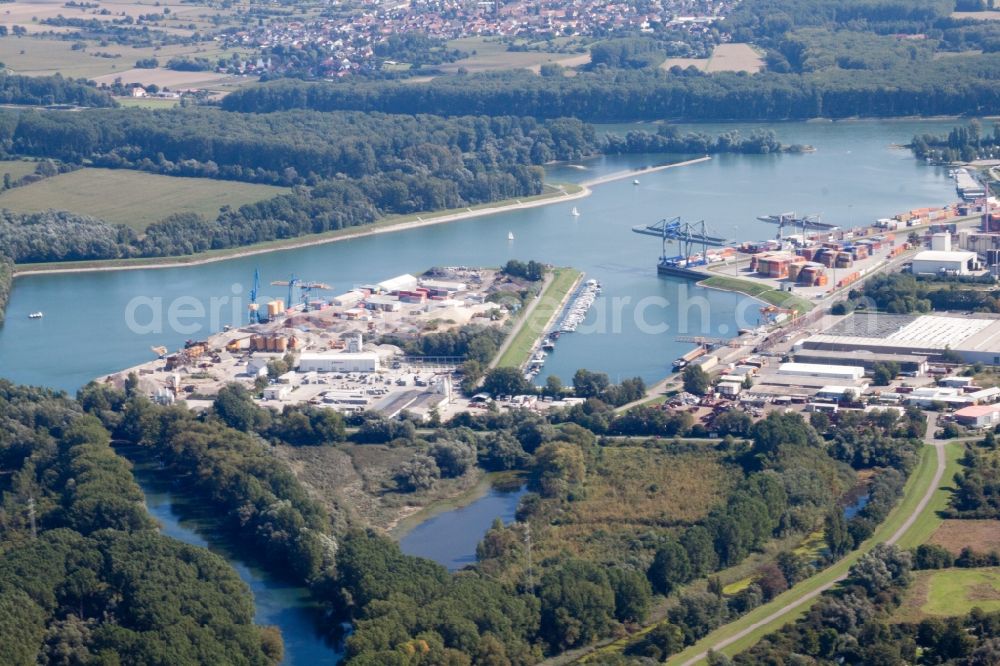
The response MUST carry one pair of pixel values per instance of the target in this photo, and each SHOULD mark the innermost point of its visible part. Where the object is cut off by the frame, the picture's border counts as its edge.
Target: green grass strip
(519, 351)
(781, 299)
(930, 519)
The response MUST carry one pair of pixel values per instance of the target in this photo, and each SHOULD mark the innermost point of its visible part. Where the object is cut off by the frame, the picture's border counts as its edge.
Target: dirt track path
(522, 322)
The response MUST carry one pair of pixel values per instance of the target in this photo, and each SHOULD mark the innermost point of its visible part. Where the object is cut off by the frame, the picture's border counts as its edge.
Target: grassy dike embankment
(553, 194)
(781, 299)
(550, 302)
(804, 594)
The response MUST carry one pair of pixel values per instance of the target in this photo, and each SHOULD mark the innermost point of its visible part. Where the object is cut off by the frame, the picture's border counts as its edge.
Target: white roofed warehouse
(850, 372)
(979, 416)
(339, 362)
(937, 262)
(973, 338)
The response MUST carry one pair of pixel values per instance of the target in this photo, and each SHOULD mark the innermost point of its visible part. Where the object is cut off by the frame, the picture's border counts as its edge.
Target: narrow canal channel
(280, 603)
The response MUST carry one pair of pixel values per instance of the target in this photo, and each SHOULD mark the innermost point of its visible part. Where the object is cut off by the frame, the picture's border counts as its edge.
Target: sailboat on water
(574, 212)
(510, 235)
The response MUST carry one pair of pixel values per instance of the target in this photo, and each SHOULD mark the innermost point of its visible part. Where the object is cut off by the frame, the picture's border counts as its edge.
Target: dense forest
(48, 90)
(955, 86)
(769, 18)
(668, 139)
(477, 157)
(791, 478)
(348, 169)
(84, 575)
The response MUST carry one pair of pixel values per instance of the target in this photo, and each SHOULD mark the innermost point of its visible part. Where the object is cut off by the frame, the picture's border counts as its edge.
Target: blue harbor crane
(796, 221)
(254, 291)
(290, 282)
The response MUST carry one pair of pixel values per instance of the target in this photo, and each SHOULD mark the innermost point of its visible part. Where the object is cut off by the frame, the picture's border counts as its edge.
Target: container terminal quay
(327, 347)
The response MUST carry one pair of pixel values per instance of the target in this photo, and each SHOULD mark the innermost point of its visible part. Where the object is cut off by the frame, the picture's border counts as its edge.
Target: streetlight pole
(736, 255)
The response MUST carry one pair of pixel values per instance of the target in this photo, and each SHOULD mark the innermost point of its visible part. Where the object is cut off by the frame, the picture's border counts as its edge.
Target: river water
(854, 177)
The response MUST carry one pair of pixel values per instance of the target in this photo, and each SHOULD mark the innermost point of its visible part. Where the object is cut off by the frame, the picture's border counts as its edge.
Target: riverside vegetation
(6, 283)
(963, 143)
(99, 584)
(596, 572)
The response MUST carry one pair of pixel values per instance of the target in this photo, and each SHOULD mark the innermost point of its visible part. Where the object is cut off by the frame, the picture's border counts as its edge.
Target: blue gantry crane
(687, 235)
(254, 291)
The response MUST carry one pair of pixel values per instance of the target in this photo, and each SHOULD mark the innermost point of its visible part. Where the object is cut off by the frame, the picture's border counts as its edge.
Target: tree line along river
(854, 177)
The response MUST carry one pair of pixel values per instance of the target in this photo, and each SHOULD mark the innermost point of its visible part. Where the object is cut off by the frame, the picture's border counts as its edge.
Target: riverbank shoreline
(298, 243)
(560, 195)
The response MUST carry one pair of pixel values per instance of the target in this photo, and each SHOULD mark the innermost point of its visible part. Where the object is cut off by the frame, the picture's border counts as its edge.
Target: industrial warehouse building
(937, 262)
(339, 362)
(907, 362)
(976, 339)
(399, 283)
(848, 372)
(979, 416)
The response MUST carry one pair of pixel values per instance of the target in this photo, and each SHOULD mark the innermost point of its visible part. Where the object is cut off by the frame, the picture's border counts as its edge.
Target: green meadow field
(133, 198)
